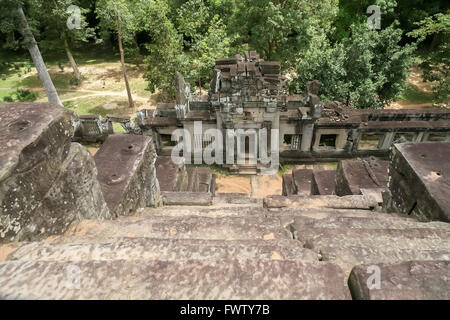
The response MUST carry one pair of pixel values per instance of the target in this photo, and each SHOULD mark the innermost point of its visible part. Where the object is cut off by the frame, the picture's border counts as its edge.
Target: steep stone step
(188, 280)
(350, 247)
(326, 201)
(165, 249)
(375, 222)
(210, 211)
(412, 280)
(189, 227)
(186, 198)
(235, 198)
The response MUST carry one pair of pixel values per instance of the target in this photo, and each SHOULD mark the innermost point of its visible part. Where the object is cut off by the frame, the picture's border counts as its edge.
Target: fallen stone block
(126, 173)
(355, 174)
(419, 181)
(328, 201)
(323, 182)
(410, 280)
(187, 198)
(187, 280)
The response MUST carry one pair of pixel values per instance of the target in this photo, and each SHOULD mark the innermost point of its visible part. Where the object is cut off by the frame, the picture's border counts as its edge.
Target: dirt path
(93, 93)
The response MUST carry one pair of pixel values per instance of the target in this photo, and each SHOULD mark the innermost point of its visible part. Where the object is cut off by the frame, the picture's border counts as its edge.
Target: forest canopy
(327, 40)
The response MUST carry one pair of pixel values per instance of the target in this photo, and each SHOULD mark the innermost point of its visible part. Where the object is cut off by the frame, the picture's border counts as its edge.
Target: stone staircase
(233, 249)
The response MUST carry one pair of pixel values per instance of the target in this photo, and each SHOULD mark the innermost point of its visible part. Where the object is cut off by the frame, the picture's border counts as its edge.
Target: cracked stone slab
(126, 171)
(165, 249)
(189, 280)
(410, 280)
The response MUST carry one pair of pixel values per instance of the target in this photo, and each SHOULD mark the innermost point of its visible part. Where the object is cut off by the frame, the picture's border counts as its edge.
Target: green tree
(215, 44)
(165, 51)
(367, 70)
(118, 15)
(436, 64)
(13, 18)
(279, 29)
(56, 34)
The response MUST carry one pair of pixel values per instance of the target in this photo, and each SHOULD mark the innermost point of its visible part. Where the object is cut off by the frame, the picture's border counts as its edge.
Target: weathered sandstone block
(46, 182)
(126, 171)
(355, 174)
(419, 182)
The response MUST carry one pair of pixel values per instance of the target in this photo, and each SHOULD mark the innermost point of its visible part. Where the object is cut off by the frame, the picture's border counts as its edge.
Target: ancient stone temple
(248, 95)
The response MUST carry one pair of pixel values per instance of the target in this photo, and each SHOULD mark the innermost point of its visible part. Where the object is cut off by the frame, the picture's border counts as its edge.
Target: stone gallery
(135, 222)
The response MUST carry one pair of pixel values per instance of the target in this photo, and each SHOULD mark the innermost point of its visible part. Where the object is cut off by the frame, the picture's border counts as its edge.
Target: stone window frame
(341, 139)
(382, 137)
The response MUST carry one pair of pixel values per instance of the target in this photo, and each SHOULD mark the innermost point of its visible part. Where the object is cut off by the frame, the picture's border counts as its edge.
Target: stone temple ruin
(136, 223)
(249, 93)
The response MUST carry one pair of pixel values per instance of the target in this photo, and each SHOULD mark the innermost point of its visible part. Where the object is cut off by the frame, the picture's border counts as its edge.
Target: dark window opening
(166, 140)
(287, 139)
(328, 140)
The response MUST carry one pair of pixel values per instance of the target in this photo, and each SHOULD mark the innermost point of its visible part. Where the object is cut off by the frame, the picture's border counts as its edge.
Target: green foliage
(22, 95)
(367, 70)
(280, 30)
(207, 49)
(436, 64)
(165, 52)
(8, 99)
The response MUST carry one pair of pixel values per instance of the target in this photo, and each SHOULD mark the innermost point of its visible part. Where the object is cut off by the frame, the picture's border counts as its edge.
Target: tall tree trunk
(122, 61)
(33, 48)
(434, 41)
(76, 71)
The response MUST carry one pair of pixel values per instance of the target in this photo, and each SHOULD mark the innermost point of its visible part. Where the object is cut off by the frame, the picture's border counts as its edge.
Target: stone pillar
(307, 135)
(387, 141)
